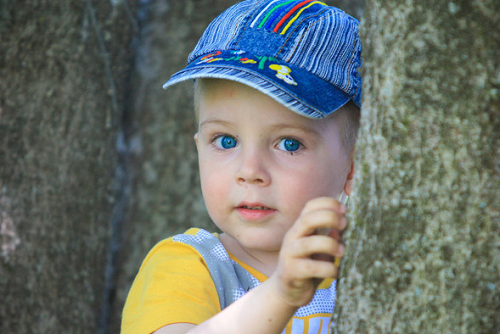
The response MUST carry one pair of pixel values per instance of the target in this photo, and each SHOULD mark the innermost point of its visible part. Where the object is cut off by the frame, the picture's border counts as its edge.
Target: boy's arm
(259, 311)
(268, 308)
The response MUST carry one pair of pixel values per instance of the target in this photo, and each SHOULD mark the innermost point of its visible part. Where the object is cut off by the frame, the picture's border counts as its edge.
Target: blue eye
(289, 144)
(225, 142)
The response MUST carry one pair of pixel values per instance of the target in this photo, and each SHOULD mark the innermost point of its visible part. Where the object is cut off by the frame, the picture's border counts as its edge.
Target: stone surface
(63, 69)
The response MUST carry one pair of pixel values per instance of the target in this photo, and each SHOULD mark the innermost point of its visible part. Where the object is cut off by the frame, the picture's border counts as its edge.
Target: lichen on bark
(424, 243)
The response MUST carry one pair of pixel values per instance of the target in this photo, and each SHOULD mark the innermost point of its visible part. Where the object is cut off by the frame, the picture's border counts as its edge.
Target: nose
(254, 168)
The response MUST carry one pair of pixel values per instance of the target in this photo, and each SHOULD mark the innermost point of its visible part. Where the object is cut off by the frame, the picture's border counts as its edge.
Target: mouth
(254, 211)
(253, 206)
(259, 207)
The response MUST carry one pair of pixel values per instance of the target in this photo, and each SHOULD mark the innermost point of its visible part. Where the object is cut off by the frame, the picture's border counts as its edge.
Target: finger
(308, 268)
(316, 244)
(324, 203)
(336, 234)
(309, 223)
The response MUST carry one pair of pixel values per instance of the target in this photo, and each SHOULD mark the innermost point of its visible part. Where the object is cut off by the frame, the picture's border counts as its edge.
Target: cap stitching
(290, 13)
(350, 62)
(246, 27)
(289, 24)
(255, 20)
(270, 12)
(308, 27)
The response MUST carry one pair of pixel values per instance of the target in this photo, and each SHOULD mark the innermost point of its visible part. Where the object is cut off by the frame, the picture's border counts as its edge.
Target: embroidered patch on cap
(283, 73)
(240, 56)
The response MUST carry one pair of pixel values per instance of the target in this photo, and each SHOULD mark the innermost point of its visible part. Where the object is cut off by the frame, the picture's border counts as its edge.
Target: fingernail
(343, 208)
(341, 250)
(343, 223)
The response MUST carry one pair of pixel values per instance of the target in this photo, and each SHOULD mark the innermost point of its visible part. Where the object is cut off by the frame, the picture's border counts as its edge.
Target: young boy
(277, 101)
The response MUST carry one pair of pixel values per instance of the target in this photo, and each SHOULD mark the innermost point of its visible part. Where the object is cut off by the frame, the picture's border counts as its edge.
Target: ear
(350, 177)
(196, 139)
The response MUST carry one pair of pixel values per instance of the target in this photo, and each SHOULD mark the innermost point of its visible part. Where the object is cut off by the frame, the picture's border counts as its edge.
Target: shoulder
(173, 285)
(170, 264)
(179, 245)
(177, 252)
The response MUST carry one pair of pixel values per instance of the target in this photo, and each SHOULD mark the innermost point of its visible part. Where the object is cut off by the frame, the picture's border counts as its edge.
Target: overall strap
(231, 280)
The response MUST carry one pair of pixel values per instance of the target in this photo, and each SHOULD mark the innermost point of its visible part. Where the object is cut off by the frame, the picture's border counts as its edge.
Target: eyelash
(221, 136)
(296, 141)
(233, 142)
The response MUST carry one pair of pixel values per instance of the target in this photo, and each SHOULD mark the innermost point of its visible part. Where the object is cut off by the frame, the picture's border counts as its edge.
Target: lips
(254, 207)
(254, 211)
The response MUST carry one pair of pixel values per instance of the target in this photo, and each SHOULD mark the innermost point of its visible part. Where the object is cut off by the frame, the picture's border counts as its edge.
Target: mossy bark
(63, 69)
(424, 238)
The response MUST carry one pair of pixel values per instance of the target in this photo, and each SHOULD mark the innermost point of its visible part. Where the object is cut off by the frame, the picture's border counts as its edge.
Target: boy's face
(260, 163)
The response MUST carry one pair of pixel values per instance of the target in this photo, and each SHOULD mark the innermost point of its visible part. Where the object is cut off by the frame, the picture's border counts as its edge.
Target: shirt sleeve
(173, 286)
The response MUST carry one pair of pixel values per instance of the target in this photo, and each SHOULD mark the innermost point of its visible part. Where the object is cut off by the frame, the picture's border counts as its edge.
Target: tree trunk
(63, 69)
(424, 238)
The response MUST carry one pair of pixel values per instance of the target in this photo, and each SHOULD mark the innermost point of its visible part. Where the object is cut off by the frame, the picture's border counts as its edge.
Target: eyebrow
(304, 129)
(213, 121)
(274, 127)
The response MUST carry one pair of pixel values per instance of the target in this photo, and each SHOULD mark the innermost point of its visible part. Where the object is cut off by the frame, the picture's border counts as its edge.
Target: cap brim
(293, 87)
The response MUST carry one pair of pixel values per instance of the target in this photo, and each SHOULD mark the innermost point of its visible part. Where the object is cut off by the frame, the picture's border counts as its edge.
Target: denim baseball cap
(302, 53)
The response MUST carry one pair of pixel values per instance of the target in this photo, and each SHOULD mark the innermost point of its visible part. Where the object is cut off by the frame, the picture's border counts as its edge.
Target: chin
(264, 244)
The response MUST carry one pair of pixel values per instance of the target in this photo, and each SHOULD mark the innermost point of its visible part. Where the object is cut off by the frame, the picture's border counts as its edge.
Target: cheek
(318, 181)
(213, 188)
(331, 174)
(214, 185)
(330, 182)
(296, 191)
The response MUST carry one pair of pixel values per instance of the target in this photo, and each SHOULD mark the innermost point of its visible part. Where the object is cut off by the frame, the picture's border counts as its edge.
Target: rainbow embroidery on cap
(290, 7)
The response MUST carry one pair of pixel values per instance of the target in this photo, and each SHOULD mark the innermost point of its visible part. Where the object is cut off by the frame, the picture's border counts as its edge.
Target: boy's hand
(307, 257)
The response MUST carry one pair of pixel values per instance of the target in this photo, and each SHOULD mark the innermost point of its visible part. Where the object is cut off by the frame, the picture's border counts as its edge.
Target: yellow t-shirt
(174, 285)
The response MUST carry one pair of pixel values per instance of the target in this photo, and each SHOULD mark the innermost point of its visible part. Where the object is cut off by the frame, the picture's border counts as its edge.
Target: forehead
(223, 97)
(225, 105)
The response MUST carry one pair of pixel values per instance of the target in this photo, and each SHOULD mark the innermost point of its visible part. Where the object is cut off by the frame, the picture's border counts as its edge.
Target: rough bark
(424, 240)
(63, 65)
(352, 7)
